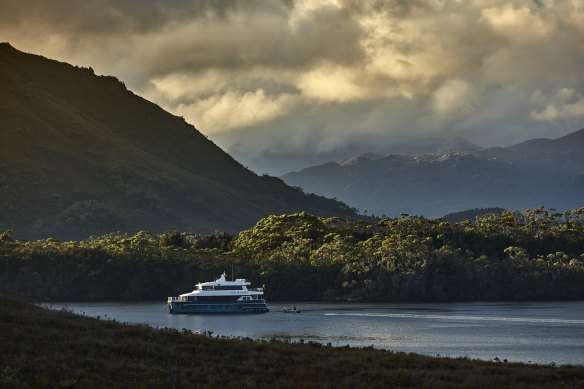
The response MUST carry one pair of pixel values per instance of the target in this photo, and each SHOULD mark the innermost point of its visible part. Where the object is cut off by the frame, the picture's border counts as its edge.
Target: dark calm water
(549, 332)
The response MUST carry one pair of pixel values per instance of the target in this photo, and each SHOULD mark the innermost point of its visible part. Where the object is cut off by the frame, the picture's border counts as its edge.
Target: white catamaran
(220, 296)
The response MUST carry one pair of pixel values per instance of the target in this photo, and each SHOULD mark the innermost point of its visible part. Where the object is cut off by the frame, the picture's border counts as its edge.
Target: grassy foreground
(57, 349)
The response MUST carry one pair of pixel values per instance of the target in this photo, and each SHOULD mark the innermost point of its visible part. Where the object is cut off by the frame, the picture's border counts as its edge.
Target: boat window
(228, 287)
(217, 298)
(220, 287)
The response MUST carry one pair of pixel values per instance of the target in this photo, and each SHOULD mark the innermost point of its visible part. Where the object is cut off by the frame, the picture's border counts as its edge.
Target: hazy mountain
(82, 155)
(538, 172)
(565, 154)
(250, 149)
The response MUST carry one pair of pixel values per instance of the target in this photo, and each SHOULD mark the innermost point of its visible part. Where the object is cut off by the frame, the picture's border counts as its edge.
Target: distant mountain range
(537, 172)
(81, 155)
(281, 159)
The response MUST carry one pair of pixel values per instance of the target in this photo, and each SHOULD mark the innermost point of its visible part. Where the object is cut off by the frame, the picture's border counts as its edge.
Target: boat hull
(187, 307)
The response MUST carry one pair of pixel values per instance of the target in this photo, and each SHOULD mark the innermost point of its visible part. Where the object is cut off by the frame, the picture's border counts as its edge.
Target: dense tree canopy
(530, 255)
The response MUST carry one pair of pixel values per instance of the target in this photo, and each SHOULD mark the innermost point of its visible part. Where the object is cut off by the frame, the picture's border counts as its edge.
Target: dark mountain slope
(539, 172)
(82, 155)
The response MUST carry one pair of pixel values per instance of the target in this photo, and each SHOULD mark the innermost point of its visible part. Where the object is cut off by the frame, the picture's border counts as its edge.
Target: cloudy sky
(285, 85)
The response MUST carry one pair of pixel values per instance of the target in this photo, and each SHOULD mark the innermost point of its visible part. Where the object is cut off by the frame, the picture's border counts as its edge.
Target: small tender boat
(291, 310)
(220, 296)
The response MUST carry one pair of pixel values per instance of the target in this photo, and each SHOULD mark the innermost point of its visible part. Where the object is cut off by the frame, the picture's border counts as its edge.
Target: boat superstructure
(220, 296)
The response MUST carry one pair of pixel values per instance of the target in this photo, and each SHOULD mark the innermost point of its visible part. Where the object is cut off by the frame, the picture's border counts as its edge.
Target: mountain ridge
(547, 172)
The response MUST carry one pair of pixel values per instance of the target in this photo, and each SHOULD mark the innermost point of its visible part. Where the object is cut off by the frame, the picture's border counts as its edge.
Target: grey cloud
(231, 34)
(260, 40)
(114, 17)
(392, 9)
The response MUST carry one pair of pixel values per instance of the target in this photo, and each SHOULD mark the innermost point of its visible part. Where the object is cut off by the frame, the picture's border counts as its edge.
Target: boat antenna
(231, 271)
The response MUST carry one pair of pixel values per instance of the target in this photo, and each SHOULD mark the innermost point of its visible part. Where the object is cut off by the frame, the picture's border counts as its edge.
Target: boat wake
(463, 318)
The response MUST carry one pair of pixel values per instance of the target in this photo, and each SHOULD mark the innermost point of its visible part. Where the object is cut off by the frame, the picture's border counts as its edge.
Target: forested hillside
(81, 155)
(471, 214)
(533, 255)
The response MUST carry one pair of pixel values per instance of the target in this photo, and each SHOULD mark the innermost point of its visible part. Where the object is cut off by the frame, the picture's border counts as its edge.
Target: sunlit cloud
(455, 97)
(519, 23)
(231, 110)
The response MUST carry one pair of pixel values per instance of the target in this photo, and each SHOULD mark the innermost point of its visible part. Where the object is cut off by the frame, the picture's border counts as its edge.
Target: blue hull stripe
(217, 307)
